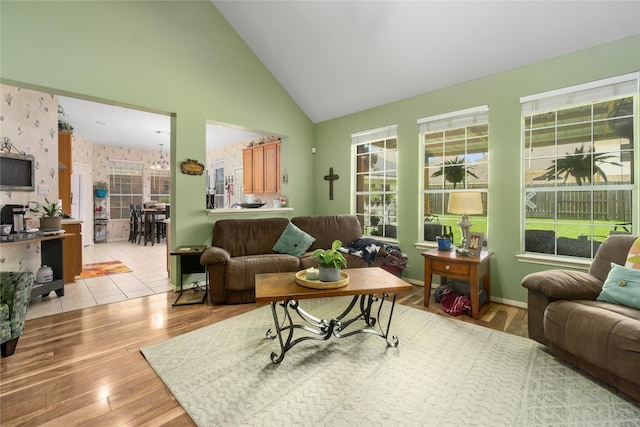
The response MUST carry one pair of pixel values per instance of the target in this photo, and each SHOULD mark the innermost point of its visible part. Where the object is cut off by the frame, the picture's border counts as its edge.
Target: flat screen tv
(17, 172)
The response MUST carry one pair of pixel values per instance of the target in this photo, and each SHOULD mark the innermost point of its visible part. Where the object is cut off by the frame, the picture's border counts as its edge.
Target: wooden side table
(189, 260)
(463, 267)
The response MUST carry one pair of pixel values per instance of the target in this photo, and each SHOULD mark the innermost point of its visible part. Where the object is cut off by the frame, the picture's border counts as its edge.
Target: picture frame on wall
(475, 242)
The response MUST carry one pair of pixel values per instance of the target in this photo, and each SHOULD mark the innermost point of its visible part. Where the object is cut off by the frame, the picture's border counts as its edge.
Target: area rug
(103, 269)
(444, 372)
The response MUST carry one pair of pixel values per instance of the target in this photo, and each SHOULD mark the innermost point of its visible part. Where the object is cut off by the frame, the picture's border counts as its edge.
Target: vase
(50, 224)
(329, 274)
(101, 194)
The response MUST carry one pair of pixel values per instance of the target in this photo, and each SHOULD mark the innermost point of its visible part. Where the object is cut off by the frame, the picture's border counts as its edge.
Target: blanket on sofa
(367, 249)
(364, 248)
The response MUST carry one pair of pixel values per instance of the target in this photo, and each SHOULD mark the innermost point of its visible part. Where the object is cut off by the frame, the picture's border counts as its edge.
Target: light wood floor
(84, 367)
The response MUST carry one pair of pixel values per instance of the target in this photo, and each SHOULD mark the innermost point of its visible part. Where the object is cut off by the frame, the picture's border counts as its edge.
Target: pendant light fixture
(162, 163)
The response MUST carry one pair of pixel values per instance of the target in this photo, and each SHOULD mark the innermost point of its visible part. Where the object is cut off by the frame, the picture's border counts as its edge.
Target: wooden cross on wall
(331, 177)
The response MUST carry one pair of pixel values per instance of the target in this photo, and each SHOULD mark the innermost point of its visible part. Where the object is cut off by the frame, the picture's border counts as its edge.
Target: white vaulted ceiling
(339, 57)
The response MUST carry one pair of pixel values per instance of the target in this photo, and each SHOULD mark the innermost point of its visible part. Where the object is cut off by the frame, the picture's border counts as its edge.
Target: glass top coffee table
(370, 286)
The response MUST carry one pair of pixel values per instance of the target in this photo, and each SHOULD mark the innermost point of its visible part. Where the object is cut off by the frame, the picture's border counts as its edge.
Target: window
(160, 185)
(125, 187)
(375, 153)
(456, 157)
(578, 166)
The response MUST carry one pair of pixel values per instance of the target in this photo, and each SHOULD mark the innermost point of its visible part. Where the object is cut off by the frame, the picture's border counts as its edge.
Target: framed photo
(475, 242)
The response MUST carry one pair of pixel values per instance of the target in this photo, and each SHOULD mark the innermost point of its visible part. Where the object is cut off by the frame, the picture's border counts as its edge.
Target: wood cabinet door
(64, 175)
(272, 168)
(247, 171)
(258, 170)
(72, 249)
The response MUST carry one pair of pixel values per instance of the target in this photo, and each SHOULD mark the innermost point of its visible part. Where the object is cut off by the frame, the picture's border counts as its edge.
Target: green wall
(182, 58)
(501, 92)
(179, 58)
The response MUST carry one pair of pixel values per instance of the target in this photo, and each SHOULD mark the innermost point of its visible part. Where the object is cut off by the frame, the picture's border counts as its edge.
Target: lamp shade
(465, 202)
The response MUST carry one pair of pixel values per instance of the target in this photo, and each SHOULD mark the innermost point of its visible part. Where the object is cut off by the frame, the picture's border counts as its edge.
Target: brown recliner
(601, 338)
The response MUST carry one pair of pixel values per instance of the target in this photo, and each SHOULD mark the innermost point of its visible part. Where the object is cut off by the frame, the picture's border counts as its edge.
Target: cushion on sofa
(633, 258)
(240, 272)
(622, 287)
(327, 228)
(614, 249)
(293, 241)
(242, 237)
(603, 334)
(564, 284)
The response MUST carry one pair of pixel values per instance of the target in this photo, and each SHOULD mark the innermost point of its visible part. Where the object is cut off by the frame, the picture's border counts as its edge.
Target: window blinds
(586, 93)
(455, 119)
(374, 134)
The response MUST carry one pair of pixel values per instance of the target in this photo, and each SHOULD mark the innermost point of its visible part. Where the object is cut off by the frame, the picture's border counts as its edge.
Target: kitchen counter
(71, 221)
(247, 211)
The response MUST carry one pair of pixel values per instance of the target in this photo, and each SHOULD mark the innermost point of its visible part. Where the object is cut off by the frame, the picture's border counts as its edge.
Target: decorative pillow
(622, 286)
(633, 259)
(293, 241)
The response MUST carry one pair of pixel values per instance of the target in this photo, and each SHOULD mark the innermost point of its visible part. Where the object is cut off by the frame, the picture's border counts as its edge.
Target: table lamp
(465, 203)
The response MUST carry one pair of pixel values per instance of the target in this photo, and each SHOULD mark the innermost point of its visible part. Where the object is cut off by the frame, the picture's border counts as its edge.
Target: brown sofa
(242, 248)
(601, 338)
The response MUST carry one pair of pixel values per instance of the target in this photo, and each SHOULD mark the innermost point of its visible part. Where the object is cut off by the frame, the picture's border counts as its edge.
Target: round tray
(301, 279)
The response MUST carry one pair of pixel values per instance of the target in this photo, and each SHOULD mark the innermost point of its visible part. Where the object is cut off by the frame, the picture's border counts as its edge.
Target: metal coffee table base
(322, 330)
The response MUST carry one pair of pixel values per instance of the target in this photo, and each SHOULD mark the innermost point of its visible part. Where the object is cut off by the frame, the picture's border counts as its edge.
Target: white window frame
(465, 118)
(159, 173)
(365, 137)
(576, 96)
(133, 165)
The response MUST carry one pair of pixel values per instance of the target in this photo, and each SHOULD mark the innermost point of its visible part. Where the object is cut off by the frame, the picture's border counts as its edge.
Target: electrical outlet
(43, 189)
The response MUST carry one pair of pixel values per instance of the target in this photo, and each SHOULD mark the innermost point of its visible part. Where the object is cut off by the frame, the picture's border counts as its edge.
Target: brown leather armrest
(214, 255)
(564, 284)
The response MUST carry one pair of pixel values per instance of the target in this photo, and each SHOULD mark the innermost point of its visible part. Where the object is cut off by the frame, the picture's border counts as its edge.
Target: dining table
(153, 223)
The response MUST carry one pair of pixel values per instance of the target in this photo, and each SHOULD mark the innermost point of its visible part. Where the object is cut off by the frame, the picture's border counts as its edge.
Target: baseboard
(493, 299)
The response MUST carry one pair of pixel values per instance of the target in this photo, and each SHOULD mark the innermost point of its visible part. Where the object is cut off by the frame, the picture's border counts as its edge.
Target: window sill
(425, 246)
(556, 261)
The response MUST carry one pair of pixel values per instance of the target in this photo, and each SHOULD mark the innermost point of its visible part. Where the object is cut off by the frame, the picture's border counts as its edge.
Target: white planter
(329, 274)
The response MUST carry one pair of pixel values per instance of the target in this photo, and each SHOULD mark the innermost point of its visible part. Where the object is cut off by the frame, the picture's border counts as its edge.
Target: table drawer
(444, 268)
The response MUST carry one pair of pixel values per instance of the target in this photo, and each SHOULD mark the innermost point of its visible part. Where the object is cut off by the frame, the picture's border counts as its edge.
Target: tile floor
(148, 276)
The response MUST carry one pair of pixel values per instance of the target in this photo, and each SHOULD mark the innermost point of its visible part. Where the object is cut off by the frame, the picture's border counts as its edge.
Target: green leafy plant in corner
(100, 185)
(454, 171)
(63, 125)
(582, 165)
(330, 257)
(47, 209)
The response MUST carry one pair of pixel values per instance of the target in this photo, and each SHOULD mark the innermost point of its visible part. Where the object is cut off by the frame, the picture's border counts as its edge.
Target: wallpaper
(29, 121)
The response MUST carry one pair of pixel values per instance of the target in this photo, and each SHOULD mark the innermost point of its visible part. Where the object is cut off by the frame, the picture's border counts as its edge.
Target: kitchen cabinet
(261, 169)
(65, 169)
(72, 248)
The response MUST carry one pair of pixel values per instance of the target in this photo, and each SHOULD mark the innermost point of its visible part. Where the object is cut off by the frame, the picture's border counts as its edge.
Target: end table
(463, 267)
(189, 259)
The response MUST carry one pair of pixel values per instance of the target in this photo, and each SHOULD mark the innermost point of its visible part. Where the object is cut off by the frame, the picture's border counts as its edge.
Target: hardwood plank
(84, 367)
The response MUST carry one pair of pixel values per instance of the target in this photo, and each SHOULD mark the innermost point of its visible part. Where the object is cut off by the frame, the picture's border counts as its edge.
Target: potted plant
(63, 125)
(329, 262)
(51, 215)
(101, 189)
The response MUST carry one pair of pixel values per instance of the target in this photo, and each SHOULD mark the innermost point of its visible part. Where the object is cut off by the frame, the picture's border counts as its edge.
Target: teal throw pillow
(622, 287)
(293, 241)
